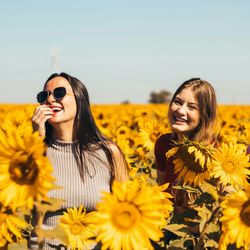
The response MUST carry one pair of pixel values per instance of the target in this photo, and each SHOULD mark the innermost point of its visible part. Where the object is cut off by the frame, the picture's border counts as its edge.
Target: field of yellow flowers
(137, 214)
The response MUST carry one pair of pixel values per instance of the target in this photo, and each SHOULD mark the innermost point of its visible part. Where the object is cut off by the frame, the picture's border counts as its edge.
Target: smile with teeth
(179, 119)
(56, 109)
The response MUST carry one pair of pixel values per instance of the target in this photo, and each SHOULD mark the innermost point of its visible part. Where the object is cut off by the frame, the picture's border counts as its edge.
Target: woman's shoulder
(164, 142)
(114, 148)
(165, 139)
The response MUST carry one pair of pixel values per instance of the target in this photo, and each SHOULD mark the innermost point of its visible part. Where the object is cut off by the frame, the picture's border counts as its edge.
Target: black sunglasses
(58, 94)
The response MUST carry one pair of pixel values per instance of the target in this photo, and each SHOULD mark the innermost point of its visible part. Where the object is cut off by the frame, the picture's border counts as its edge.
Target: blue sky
(123, 50)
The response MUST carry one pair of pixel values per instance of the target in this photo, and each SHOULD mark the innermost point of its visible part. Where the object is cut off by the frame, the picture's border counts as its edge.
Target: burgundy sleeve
(248, 153)
(248, 149)
(162, 145)
(160, 158)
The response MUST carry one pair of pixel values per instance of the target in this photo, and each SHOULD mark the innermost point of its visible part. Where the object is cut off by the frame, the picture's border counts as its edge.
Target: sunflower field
(137, 214)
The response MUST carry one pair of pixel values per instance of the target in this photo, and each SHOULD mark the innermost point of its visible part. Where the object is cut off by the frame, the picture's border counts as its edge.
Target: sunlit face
(64, 109)
(183, 113)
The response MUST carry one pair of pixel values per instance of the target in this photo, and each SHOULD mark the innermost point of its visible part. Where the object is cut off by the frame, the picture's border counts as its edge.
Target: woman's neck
(63, 133)
(180, 137)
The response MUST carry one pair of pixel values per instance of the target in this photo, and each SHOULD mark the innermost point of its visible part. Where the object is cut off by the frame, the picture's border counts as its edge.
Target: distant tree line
(163, 96)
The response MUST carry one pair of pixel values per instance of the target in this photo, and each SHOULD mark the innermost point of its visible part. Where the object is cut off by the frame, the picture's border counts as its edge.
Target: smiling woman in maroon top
(192, 113)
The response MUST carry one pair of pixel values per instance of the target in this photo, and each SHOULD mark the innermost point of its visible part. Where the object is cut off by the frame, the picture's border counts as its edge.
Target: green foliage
(195, 226)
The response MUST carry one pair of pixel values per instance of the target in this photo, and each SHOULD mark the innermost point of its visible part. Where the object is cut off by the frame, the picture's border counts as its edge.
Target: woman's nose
(51, 98)
(182, 109)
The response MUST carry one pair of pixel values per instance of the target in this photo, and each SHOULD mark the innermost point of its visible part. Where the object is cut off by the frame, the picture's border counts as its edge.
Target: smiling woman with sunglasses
(85, 162)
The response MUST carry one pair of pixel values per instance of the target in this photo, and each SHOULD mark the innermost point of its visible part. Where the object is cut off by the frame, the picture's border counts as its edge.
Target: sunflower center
(190, 163)
(125, 216)
(23, 169)
(229, 166)
(76, 228)
(245, 213)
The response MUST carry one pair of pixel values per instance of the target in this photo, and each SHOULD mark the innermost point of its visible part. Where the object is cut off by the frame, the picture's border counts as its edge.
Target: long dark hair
(206, 97)
(87, 134)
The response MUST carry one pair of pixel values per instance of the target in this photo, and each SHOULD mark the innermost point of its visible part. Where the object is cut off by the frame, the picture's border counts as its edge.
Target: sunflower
(126, 143)
(129, 216)
(142, 114)
(123, 130)
(144, 180)
(236, 220)
(78, 228)
(150, 131)
(142, 158)
(231, 164)
(10, 227)
(165, 199)
(191, 160)
(25, 173)
(20, 116)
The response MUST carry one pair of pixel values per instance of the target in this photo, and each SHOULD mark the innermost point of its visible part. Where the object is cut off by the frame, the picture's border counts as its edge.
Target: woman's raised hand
(41, 114)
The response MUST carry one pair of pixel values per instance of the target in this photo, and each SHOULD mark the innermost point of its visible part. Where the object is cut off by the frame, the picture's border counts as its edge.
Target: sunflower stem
(200, 240)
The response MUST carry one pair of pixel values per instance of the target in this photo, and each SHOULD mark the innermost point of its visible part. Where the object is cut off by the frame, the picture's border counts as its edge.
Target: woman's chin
(179, 129)
(52, 120)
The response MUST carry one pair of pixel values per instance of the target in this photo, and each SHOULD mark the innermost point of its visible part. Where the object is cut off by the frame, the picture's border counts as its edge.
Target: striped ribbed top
(74, 190)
